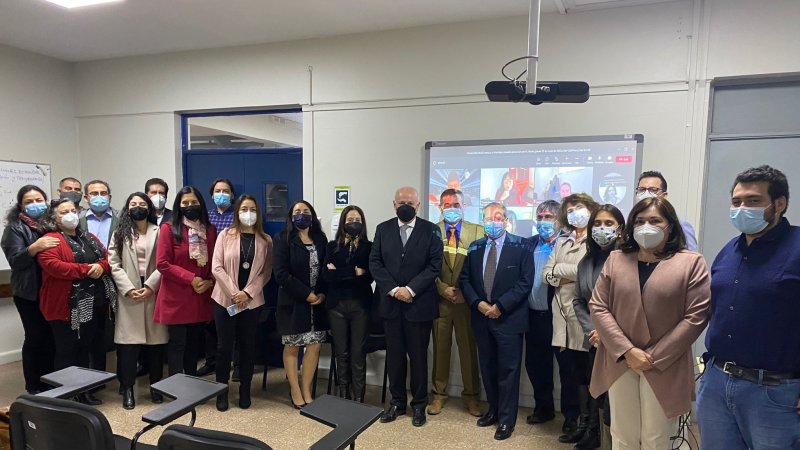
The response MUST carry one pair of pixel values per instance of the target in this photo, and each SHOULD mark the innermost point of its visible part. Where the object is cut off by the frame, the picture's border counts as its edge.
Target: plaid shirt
(221, 221)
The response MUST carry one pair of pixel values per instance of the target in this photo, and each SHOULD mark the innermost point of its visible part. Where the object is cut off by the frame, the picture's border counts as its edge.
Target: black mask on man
(406, 213)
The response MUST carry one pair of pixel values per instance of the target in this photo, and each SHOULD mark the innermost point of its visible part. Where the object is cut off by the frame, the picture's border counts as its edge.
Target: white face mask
(643, 195)
(248, 218)
(158, 201)
(648, 236)
(579, 217)
(70, 221)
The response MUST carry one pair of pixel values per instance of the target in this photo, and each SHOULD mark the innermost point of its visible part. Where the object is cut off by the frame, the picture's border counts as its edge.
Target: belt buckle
(725, 367)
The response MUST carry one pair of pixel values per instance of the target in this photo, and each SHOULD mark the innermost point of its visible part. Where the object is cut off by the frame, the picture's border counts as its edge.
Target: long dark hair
(126, 229)
(237, 224)
(15, 210)
(315, 230)
(177, 215)
(340, 233)
(676, 241)
(592, 249)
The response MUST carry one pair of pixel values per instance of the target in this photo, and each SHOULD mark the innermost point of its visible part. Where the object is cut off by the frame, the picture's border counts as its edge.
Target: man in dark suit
(406, 257)
(496, 281)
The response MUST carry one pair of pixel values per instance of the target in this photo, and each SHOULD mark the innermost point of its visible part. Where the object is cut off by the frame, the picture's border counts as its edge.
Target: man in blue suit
(496, 281)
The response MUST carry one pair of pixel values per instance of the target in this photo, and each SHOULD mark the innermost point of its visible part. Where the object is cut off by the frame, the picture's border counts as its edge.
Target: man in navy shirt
(749, 394)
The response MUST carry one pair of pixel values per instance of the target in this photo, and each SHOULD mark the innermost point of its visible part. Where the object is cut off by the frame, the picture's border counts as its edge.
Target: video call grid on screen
(522, 173)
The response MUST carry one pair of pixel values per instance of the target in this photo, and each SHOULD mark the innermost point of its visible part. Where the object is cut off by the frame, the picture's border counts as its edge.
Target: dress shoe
(474, 409)
(87, 398)
(540, 416)
(590, 440)
(206, 369)
(487, 419)
(503, 432)
(235, 375)
(419, 418)
(128, 401)
(391, 414)
(244, 396)
(435, 407)
(222, 402)
(155, 397)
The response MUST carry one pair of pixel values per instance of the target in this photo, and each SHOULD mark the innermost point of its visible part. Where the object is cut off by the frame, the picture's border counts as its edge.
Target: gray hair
(549, 206)
(496, 205)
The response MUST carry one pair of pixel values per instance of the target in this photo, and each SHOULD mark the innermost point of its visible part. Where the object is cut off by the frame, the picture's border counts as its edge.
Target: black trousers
(127, 357)
(349, 325)
(241, 329)
(210, 342)
(38, 348)
(73, 346)
(105, 338)
(539, 358)
(183, 347)
(411, 339)
(500, 359)
(572, 373)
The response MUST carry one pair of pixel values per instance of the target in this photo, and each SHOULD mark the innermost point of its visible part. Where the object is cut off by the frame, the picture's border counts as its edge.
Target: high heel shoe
(295, 405)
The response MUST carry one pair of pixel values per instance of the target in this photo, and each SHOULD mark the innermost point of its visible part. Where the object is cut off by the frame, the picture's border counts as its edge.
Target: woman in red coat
(183, 256)
(76, 288)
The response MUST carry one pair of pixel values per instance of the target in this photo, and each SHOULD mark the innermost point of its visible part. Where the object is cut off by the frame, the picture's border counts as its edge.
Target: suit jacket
(134, 318)
(166, 216)
(512, 283)
(225, 268)
(416, 266)
(449, 275)
(663, 320)
(291, 266)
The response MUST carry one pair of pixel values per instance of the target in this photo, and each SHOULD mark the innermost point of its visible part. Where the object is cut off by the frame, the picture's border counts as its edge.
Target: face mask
(35, 210)
(643, 195)
(494, 229)
(604, 236)
(138, 213)
(452, 215)
(69, 221)
(578, 218)
(353, 228)
(648, 236)
(159, 201)
(191, 212)
(546, 229)
(222, 199)
(406, 213)
(98, 203)
(749, 220)
(301, 221)
(248, 218)
(74, 196)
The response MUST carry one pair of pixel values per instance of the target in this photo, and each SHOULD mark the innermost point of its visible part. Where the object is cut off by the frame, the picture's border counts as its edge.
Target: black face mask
(191, 212)
(354, 229)
(138, 213)
(74, 196)
(406, 213)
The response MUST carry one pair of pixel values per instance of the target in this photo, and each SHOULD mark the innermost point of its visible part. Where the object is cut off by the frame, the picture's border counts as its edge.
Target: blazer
(177, 303)
(512, 283)
(533, 242)
(290, 264)
(225, 267)
(563, 264)
(59, 270)
(343, 283)
(449, 275)
(664, 320)
(416, 265)
(134, 319)
(26, 275)
(588, 271)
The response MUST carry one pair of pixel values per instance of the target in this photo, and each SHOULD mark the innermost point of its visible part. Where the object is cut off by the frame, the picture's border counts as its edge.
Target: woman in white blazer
(132, 256)
(242, 266)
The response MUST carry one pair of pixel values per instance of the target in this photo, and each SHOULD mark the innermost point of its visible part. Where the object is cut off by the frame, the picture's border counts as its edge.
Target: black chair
(270, 340)
(42, 423)
(376, 340)
(181, 437)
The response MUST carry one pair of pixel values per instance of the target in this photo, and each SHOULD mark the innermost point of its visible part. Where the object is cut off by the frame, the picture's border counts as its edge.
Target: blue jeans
(733, 413)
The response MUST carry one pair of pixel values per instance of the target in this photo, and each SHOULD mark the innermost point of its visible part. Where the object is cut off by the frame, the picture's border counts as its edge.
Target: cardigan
(225, 267)
(588, 271)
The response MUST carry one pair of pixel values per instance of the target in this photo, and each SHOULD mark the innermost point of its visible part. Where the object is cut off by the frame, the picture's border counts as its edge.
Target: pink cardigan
(664, 321)
(225, 267)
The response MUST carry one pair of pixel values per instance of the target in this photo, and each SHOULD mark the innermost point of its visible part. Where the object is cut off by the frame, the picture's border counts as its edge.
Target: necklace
(245, 264)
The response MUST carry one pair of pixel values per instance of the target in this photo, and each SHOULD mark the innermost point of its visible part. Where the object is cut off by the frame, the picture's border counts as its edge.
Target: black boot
(583, 421)
(222, 402)
(128, 400)
(244, 396)
(344, 391)
(591, 439)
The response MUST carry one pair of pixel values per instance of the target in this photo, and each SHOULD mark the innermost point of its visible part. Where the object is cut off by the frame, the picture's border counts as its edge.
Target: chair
(271, 340)
(42, 423)
(376, 340)
(181, 437)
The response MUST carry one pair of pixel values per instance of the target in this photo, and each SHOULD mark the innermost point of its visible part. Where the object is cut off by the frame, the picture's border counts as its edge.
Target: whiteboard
(14, 175)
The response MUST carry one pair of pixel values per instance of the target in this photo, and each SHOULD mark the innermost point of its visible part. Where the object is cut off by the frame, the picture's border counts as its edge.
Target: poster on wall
(341, 197)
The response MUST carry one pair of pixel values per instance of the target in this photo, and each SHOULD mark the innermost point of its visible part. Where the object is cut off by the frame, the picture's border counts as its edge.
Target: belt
(757, 376)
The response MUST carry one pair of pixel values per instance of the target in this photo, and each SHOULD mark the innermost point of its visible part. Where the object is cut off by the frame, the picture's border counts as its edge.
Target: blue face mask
(35, 210)
(546, 229)
(99, 203)
(494, 229)
(749, 220)
(222, 199)
(453, 215)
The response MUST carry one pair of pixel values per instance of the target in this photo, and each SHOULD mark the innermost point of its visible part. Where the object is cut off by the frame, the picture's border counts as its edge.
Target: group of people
(617, 302)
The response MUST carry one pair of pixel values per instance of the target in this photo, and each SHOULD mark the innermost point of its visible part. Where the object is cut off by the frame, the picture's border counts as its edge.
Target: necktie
(490, 270)
(451, 242)
(404, 233)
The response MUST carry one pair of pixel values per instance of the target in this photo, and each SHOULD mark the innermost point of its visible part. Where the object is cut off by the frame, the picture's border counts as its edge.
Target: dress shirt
(99, 225)
(688, 233)
(499, 243)
(452, 228)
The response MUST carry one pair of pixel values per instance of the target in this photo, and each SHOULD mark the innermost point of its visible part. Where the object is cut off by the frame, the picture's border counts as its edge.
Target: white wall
(37, 124)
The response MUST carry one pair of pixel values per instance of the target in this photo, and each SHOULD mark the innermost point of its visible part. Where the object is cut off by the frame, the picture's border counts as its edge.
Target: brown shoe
(435, 407)
(474, 409)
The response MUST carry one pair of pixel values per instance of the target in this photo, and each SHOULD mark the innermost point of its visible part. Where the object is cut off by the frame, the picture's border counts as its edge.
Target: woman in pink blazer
(242, 266)
(183, 257)
(649, 305)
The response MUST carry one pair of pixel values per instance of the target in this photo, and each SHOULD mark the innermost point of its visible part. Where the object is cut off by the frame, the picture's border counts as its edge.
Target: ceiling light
(78, 3)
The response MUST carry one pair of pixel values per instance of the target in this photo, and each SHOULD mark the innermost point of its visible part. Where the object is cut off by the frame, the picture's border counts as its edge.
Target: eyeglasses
(652, 190)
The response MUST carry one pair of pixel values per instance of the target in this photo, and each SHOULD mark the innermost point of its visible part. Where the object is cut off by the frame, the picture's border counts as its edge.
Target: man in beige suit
(454, 313)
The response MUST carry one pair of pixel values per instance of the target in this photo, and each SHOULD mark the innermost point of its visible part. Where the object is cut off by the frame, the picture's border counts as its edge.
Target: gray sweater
(589, 270)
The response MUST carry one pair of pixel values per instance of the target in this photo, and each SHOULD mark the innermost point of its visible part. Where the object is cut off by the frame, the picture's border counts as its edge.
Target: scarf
(31, 223)
(198, 250)
(81, 301)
